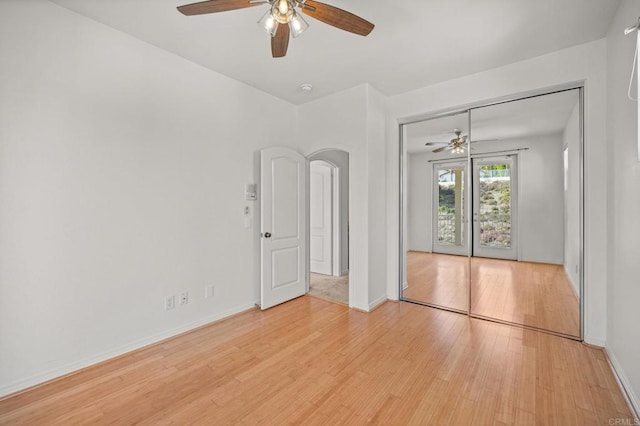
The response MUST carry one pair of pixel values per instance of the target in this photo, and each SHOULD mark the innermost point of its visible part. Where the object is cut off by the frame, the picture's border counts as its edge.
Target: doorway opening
(329, 225)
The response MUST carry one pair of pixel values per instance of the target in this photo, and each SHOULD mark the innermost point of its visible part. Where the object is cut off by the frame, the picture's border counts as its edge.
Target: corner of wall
(622, 203)
(376, 133)
(624, 382)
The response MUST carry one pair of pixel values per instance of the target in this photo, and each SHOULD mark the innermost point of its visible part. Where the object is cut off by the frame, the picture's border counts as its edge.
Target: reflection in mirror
(435, 212)
(526, 210)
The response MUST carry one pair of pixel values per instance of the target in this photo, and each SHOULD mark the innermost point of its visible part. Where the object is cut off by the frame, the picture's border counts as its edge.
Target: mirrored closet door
(492, 212)
(526, 187)
(436, 204)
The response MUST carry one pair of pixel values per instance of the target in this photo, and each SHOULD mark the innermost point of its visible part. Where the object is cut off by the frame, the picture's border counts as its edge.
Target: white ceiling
(506, 122)
(415, 42)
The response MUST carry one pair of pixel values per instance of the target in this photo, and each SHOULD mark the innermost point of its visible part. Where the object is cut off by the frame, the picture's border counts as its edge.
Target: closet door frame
(468, 109)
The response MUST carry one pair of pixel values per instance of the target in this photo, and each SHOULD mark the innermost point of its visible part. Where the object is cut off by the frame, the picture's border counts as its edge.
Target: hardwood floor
(534, 294)
(439, 279)
(315, 362)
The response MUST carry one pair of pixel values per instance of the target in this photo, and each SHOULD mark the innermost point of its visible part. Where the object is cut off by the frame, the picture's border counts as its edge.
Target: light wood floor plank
(310, 361)
(533, 294)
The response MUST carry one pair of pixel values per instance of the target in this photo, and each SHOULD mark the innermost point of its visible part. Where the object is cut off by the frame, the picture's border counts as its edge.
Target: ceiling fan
(282, 19)
(457, 144)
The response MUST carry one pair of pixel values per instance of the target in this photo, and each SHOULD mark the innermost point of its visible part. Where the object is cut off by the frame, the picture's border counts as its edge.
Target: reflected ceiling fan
(457, 144)
(282, 19)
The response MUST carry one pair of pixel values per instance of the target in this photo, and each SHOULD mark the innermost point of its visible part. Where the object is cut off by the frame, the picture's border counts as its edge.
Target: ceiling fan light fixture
(283, 6)
(297, 25)
(457, 150)
(282, 14)
(269, 23)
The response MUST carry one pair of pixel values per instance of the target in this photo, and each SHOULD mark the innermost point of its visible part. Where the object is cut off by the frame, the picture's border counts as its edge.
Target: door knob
(267, 235)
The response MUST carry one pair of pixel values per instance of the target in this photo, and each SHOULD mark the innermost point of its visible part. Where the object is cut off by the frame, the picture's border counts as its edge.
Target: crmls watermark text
(624, 422)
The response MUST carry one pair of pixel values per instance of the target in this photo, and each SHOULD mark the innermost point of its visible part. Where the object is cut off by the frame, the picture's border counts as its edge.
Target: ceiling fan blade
(213, 6)
(436, 143)
(337, 17)
(440, 149)
(280, 41)
(484, 140)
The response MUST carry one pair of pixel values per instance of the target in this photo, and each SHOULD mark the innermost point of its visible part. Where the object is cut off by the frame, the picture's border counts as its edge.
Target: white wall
(540, 225)
(623, 205)
(376, 177)
(340, 159)
(419, 202)
(586, 63)
(571, 140)
(122, 170)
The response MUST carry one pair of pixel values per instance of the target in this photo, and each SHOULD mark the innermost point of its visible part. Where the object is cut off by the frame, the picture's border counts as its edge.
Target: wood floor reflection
(439, 279)
(533, 294)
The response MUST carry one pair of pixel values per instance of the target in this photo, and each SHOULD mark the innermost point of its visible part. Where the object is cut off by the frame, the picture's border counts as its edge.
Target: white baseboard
(594, 341)
(37, 379)
(379, 301)
(626, 385)
(574, 286)
(541, 260)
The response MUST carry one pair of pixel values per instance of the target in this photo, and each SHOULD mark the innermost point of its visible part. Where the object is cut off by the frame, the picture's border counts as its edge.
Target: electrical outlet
(169, 303)
(208, 291)
(184, 297)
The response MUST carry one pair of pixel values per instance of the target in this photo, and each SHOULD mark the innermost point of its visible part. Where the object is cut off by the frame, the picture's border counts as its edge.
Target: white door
(450, 233)
(283, 188)
(320, 217)
(495, 207)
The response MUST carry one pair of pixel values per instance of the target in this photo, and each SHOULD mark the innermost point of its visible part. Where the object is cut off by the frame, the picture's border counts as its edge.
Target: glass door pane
(495, 208)
(449, 226)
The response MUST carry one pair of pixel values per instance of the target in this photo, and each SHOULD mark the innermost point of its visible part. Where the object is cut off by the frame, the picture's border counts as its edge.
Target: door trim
(354, 278)
(337, 223)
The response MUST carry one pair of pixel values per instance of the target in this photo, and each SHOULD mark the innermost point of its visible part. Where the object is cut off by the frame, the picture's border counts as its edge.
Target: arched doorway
(329, 225)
